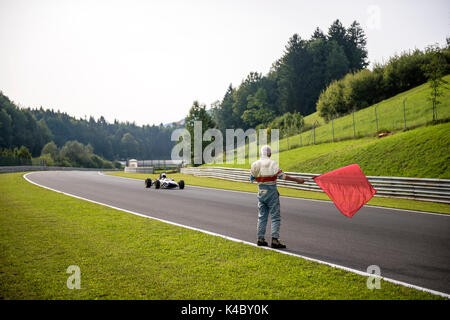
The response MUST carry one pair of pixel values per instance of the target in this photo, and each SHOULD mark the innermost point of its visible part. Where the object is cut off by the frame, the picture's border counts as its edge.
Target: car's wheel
(148, 183)
(181, 184)
(157, 184)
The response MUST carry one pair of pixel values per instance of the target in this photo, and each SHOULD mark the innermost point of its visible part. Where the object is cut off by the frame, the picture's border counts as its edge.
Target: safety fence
(398, 113)
(425, 189)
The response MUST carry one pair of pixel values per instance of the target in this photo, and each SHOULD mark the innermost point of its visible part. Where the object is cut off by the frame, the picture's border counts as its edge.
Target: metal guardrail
(160, 164)
(425, 189)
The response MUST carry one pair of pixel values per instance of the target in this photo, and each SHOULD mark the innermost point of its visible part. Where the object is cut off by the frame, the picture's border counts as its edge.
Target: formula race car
(164, 183)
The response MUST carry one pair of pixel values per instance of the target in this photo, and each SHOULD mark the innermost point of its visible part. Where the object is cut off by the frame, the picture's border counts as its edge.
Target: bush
(45, 158)
(75, 154)
(22, 153)
(359, 93)
(101, 163)
(117, 165)
(332, 102)
(404, 72)
(50, 149)
(287, 121)
(16, 157)
(364, 88)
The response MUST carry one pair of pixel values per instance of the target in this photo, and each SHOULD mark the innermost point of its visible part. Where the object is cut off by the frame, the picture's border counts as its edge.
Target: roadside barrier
(425, 189)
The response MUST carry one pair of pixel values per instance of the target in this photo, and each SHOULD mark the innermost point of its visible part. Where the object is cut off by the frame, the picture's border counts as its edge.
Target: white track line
(362, 273)
(316, 200)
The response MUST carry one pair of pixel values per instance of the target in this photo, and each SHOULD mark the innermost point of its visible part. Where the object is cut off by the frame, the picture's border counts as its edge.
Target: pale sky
(147, 61)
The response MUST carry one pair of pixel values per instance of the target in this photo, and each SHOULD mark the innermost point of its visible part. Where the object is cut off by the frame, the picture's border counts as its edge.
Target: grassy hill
(418, 112)
(423, 152)
(420, 150)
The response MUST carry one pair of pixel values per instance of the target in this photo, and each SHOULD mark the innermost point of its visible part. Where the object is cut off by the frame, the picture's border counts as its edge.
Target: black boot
(277, 244)
(262, 242)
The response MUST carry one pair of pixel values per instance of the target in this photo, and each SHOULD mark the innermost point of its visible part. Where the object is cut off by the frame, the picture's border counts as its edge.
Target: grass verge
(389, 113)
(122, 256)
(288, 192)
(423, 153)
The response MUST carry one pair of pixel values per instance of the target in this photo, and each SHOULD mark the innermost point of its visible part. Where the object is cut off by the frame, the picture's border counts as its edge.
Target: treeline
(15, 157)
(72, 154)
(34, 128)
(18, 127)
(295, 81)
(364, 88)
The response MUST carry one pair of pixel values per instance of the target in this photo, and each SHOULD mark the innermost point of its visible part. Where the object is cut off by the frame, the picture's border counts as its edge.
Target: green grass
(288, 192)
(418, 112)
(122, 256)
(419, 156)
(423, 152)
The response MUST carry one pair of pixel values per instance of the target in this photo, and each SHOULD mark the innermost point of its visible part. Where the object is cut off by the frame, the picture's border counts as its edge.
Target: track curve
(411, 247)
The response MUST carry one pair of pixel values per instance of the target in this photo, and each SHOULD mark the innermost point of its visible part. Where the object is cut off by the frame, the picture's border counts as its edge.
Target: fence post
(332, 125)
(404, 111)
(376, 116)
(301, 137)
(287, 135)
(314, 132)
(434, 107)
(354, 130)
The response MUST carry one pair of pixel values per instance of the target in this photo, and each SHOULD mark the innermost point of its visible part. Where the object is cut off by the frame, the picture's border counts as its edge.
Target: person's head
(266, 151)
(163, 175)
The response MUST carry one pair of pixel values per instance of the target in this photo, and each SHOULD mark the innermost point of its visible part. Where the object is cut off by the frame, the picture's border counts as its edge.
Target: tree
(318, 35)
(43, 134)
(5, 129)
(51, 149)
(337, 64)
(129, 146)
(76, 153)
(222, 112)
(258, 111)
(353, 42)
(248, 87)
(434, 71)
(22, 153)
(294, 77)
(198, 113)
(363, 88)
(331, 102)
(338, 33)
(355, 47)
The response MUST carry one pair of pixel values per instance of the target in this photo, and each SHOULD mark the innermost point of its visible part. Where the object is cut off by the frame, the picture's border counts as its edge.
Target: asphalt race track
(408, 246)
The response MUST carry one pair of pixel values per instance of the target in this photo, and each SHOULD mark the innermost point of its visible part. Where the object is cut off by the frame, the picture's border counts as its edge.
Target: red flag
(348, 187)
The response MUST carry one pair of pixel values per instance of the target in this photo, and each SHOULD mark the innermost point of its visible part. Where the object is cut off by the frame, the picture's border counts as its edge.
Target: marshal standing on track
(266, 172)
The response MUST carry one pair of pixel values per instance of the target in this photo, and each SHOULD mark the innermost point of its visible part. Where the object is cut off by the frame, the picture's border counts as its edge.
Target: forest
(327, 73)
(295, 80)
(35, 128)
